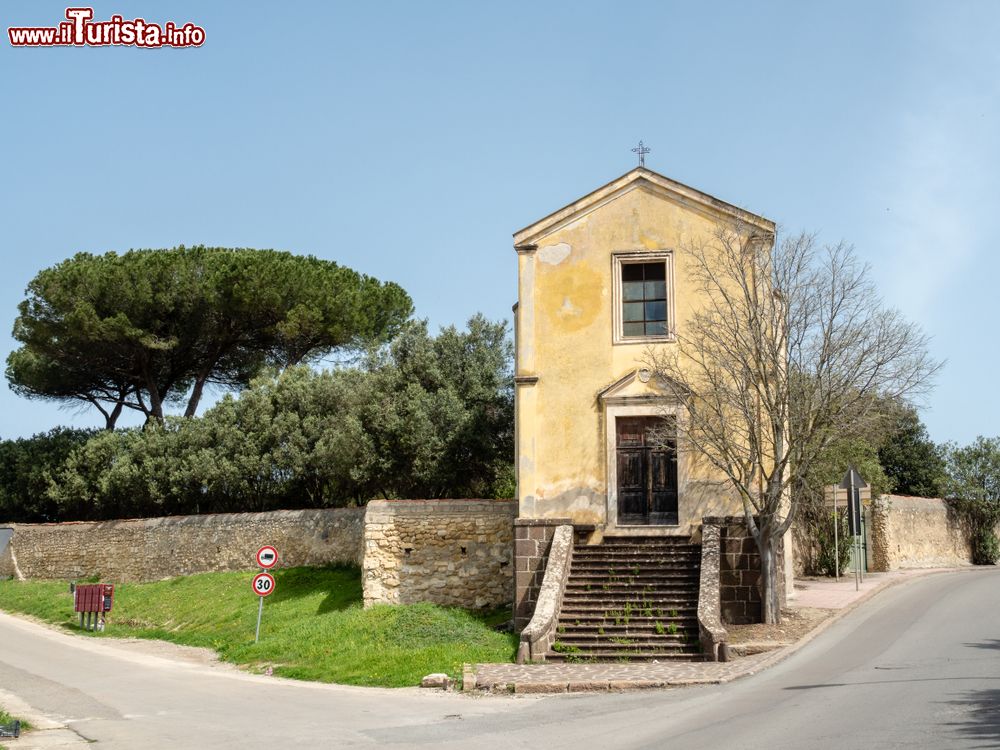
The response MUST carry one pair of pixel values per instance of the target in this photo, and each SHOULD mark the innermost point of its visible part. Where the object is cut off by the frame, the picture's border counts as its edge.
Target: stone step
(664, 543)
(598, 656)
(578, 606)
(692, 654)
(687, 628)
(594, 618)
(631, 561)
(659, 579)
(640, 549)
(633, 551)
(638, 593)
(635, 640)
(650, 579)
(622, 564)
(638, 597)
(682, 608)
(579, 609)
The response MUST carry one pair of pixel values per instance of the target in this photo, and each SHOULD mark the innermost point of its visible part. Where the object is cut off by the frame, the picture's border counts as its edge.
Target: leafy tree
(973, 485)
(442, 416)
(423, 417)
(789, 349)
(815, 517)
(150, 327)
(26, 468)
(913, 463)
(295, 439)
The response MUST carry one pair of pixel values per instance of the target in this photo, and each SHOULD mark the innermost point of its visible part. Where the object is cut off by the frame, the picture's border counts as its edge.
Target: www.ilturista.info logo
(80, 30)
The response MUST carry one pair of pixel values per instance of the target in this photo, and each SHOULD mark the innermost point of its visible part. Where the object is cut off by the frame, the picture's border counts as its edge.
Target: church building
(601, 283)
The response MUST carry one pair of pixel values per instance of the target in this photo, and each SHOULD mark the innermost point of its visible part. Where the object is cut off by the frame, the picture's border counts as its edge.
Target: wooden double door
(646, 457)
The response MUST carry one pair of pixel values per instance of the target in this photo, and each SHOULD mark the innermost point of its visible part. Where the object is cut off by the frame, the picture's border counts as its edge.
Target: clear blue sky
(409, 140)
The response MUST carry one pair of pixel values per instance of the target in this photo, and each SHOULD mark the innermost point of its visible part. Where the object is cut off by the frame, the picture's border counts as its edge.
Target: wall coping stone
(543, 522)
(713, 634)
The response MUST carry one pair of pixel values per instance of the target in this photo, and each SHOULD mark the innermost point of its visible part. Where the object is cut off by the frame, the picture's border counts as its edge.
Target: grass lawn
(314, 627)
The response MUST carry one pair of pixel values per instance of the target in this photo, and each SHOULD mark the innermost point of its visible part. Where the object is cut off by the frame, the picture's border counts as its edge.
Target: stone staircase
(630, 599)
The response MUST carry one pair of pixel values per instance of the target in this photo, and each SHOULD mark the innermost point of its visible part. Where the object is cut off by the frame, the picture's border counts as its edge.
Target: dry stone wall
(450, 552)
(154, 548)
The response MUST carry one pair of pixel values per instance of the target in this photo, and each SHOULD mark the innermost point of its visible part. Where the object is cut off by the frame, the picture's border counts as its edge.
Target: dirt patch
(745, 640)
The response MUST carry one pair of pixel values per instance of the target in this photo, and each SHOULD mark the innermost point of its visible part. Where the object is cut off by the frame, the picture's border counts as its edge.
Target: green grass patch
(314, 626)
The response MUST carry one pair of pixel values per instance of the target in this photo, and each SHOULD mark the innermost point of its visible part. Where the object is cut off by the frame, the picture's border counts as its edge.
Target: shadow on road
(992, 644)
(981, 716)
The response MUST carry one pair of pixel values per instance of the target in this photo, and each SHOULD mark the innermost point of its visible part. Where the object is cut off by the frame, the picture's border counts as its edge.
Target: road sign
(831, 489)
(267, 557)
(263, 584)
(852, 479)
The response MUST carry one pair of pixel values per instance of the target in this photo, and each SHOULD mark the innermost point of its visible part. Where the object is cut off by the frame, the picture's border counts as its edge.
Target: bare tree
(790, 347)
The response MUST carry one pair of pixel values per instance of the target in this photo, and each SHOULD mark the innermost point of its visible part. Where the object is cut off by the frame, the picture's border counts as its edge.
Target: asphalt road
(917, 667)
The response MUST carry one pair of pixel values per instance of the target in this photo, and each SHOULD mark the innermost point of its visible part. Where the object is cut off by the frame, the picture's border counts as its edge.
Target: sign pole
(861, 537)
(260, 611)
(853, 483)
(263, 582)
(836, 533)
(852, 505)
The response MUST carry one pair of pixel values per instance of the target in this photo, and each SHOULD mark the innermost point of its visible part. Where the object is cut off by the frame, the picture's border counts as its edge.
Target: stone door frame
(637, 407)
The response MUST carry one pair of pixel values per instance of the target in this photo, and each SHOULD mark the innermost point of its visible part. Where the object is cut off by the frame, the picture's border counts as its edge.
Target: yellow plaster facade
(577, 374)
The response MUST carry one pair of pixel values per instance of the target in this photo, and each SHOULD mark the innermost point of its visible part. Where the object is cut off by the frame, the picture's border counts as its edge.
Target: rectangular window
(644, 299)
(643, 288)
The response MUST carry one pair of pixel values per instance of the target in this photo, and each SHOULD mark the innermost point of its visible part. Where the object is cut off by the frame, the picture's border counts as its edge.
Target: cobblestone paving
(561, 678)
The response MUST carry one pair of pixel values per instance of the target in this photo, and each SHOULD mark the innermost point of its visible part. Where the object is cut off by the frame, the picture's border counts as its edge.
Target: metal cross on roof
(641, 150)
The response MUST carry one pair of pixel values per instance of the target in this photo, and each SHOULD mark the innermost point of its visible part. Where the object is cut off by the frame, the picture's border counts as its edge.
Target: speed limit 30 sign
(263, 584)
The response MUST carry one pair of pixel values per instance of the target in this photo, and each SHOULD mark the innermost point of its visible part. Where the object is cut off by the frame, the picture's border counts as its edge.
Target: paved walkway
(842, 595)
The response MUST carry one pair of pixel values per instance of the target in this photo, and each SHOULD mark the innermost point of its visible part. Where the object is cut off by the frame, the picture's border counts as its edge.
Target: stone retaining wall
(153, 548)
(450, 552)
(916, 532)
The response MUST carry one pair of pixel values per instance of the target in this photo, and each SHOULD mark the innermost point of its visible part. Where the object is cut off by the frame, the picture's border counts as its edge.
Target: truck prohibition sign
(267, 557)
(263, 584)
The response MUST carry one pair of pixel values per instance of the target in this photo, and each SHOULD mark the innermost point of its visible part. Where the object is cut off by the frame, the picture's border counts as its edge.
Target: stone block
(526, 548)
(587, 686)
(750, 577)
(538, 533)
(540, 687)
(730, 578)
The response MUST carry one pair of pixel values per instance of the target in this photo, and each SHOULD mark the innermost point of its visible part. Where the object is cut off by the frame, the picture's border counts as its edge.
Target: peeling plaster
(568, 308)
(553, 255)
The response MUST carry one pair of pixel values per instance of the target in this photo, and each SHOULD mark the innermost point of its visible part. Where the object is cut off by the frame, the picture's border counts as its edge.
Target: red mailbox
(93, 599)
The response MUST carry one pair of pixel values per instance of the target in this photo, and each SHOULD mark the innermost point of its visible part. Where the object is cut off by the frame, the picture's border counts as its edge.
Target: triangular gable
(640, 384)
(638, 178)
